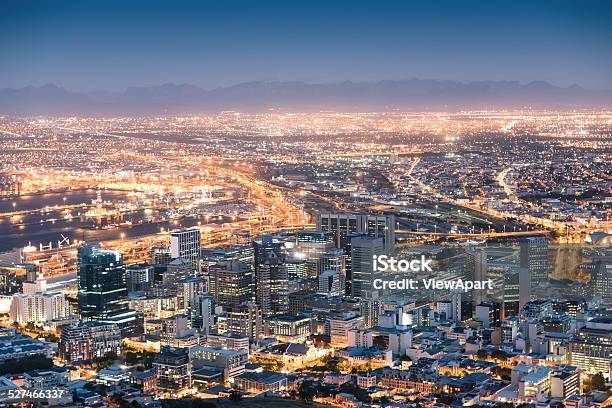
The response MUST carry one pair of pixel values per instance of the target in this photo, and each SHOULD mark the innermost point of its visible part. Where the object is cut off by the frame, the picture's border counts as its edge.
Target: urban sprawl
(229, 260)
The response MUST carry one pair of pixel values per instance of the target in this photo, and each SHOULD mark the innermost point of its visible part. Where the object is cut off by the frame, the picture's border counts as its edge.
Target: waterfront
(50, 226)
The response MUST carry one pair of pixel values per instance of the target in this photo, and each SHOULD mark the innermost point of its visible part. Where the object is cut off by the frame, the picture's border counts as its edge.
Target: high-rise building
(177, 269)
(331, 283)
(343, 225)
(139, 277)
(160, 255)
(311, 246)
(340, 326)
(457, 305)
(231, 283)
(511, 292)
(89, 340)
(489, 314)
(524, 281)
(172, 367)
(39, 308)
(601, 278)
(334, 260)
(186, 243)
(363, 250)
(371, 307)
(271, 280)
(534, 256)
(204, 311)
(591, 348)
(348, 266)
(476, 270)
(102, 287)
(186, 291)
(244, 320)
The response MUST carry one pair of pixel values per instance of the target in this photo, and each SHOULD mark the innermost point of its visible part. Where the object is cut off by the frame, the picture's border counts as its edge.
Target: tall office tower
(297, 269)
(534, 256)
(172, 367)
(335, 260)
(231, 283)
(348, 266)
(489, 314)
(177, 269)
(601, 278)
(160, 255)
(381, 226)
(476, 270)
(139, 277)
(186, 291)
(102, 287)
(456, 306)
(271, 279)
(340, 225)
(363, 250)
(312, 245)
(331, 283)
(245, 320)
(591, 348)
(204, 313)
(370, 307)
(511, 293)
(186, 243)
(343, 225)
(524, 286)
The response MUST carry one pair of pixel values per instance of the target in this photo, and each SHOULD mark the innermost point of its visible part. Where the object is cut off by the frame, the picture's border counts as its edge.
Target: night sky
(86, 45)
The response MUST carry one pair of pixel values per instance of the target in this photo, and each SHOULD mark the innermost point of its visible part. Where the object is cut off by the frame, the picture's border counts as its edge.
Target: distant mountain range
(412, 94)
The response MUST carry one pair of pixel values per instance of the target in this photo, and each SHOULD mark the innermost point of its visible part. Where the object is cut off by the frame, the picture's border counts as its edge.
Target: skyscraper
(139, 277)
(331, 283)
(476, 270)
(244, 320)
(173, 369)
(534, 256)
(524, 278)
(186, 243)
(601, 279)
(312, 245)
(272, 282)
(343, 225)
(231, 283)
(511, 292)
(102, 287)
(363, 250)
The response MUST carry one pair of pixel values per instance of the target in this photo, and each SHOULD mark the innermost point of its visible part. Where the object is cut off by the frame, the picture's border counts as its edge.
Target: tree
(105, 361)
(499, 355)
(235, 396)
(482, 354)
(34, 362)
(598, 382)
(503, 372)
(359, 393)
(307, 391)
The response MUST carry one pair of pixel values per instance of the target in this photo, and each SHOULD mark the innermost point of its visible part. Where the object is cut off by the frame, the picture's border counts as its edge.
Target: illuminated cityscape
(170, 246)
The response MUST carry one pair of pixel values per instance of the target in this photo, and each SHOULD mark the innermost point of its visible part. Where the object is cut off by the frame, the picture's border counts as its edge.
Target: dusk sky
(109, 45)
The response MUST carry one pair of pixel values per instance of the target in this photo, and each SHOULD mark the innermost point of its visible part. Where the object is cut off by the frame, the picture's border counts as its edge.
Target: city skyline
(214, 204)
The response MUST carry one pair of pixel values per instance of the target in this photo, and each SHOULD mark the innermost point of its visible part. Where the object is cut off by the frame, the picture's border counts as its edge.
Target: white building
(331, 283)
(38, 307)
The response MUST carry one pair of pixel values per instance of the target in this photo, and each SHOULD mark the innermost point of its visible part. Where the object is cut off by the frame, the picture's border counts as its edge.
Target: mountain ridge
(409, 94)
